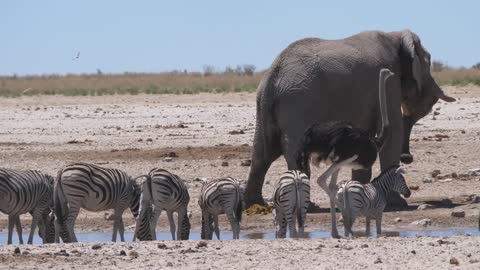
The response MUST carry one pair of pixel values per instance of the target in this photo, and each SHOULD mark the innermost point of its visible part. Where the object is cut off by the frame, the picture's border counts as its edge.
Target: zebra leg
(172, 224)
(206, 225)
(153, 221)
(35, 218)
(19, 229)
(11, 224)
(367, 226)
(281, 225)
(378, 222)
(215, 225)
(182, 212)
(72, 215)
(234, 223)
(290, 220)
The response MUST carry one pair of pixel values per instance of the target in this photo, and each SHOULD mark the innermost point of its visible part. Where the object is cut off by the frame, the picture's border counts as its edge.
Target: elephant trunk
(385, 132)
(408, 123)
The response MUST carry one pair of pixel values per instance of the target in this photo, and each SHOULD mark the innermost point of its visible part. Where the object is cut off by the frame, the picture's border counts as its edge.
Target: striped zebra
(26, 192)
(94, 188)
(291, 197)
(220, 196)
(163, 190)
(354, 198)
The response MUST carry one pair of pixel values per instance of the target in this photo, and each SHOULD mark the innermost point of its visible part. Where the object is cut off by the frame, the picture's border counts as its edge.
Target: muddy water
(106, 236)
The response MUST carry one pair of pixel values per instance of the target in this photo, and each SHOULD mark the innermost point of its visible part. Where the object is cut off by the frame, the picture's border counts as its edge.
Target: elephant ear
(410, 42)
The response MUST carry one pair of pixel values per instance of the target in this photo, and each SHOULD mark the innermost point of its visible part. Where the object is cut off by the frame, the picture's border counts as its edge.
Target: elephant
(316, 80)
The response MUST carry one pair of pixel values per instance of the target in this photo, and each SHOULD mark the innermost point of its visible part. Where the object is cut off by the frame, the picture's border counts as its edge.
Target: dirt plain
(137, 133)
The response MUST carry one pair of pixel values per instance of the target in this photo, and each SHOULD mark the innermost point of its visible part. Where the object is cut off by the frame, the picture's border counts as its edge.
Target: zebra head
(399, 183)
(48, 221)
(185, 227)
(142, 230)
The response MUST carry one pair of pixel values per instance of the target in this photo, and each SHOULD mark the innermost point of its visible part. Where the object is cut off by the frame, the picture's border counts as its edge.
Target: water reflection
(90, 237)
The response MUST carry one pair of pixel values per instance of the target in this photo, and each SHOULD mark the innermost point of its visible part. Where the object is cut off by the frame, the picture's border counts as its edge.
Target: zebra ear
(400, 170)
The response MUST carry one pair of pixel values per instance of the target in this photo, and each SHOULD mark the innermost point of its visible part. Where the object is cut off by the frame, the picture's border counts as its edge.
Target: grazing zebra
(341, 145)
(354, 198)
(163, 191)
(220, 196)
(88, 186)
(291, 198)
(22, 192)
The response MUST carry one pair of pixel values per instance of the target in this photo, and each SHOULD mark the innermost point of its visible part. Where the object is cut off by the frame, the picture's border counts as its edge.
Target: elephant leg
(266, 149)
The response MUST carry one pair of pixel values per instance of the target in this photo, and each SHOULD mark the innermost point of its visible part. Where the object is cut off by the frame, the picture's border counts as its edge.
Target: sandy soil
(135, 133)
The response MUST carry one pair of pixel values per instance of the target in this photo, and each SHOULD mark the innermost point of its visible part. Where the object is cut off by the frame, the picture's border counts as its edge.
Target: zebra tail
(346, 213)
(299, 201)
(238, 211)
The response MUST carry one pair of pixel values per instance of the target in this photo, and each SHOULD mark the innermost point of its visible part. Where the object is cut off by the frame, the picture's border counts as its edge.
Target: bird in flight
(77, 56)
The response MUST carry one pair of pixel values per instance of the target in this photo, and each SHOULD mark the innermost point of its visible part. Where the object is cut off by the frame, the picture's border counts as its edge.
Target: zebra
(291, 198)
(23, 192)
(339, 144)
(94, 188)
(163, 190)
(220, 196)
(354, 198)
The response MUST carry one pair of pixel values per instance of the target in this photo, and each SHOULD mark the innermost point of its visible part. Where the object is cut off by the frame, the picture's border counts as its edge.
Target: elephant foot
(256, 199)
(394, 200)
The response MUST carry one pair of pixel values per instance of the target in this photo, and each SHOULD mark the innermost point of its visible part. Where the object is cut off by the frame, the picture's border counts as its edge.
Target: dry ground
(134, 133)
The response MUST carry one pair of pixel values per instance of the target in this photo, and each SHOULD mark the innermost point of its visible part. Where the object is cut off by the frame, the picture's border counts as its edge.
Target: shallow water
(106, 236)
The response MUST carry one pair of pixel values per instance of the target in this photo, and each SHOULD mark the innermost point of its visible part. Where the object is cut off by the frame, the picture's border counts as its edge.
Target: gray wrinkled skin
(315, 80)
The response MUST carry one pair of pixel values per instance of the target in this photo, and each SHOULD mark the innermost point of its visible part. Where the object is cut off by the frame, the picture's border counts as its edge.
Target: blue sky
(42, 37)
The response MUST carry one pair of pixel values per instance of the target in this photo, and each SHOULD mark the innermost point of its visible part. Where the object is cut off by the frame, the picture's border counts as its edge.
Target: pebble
(425, 207)
(364, 246)
(458, 213)
(162, 246)
(246, 163)
(167, 159)
(123, 253)
(202, 244)
(427, 180)
(414, 187)
(224, 163)
(398, 219)
(133, 254)
(25, 252)
(474, 199)
(16, 250)
(96, 246)
(62, 252)
(422, 222)
(435, 173)
(454, 261)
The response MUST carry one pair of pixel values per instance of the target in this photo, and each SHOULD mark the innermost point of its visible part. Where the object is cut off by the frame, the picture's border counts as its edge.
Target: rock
(25, 252)
(200, 179)
(454, 261)
(364, 246)
(474, 172)
(236, 132)
(133, 254)
(167, 159)
(246, 163)
(170, 154)
(474, 199)
(224, 163)
(96, 246)
(445, 180)
(62, 252)
(427, 180)
(443, 242)
(398, 220)
(201, 244)
(377, 260)
(458, 213)
(422, 222)
(425, 207)
(414, 187)
(162, 246)
(16, 250)
(443, 176)
(454, 175)
(123, 253)
(436, 113)
(434, 173)
(413, 252)
(149, 140)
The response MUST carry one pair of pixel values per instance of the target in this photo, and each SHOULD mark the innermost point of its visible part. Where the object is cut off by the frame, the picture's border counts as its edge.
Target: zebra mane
(384, 172)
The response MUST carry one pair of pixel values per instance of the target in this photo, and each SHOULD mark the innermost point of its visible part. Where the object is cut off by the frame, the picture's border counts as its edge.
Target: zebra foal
(22, 192)
(163, 190)
(94, 188)
(220, 196)
(291, 197)
(354, 198)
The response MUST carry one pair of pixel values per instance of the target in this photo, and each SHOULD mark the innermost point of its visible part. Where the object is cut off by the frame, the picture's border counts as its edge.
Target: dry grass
(166, 83)
(128, 83)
